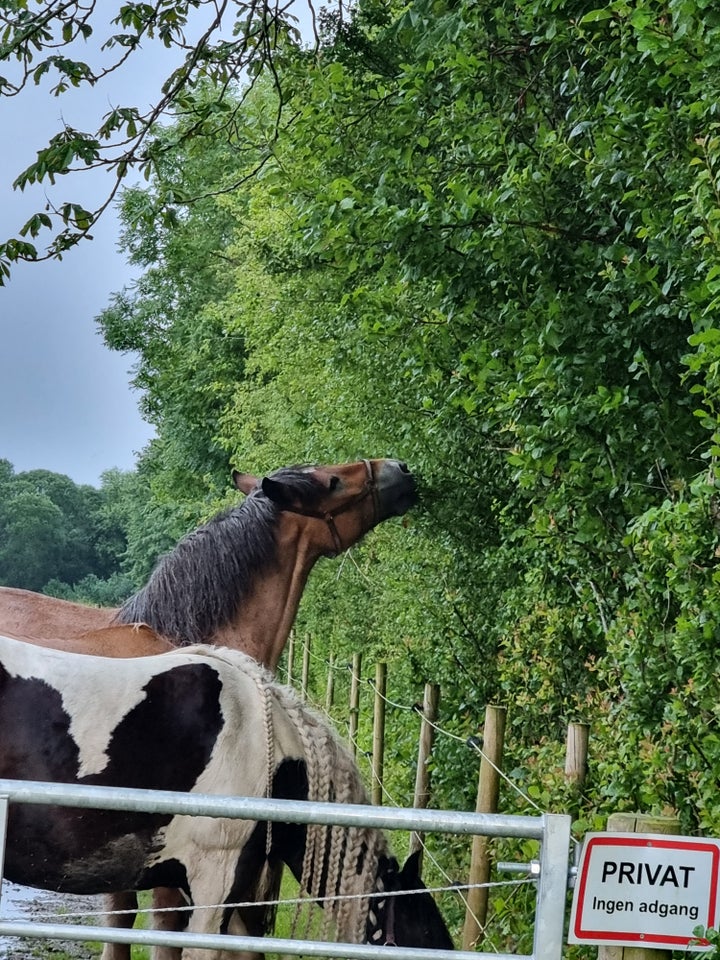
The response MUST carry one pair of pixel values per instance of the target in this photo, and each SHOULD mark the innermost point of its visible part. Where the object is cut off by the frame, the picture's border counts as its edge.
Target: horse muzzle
(396, 489)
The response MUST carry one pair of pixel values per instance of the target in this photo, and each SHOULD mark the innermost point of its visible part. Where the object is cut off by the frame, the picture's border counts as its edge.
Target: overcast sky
(65, 400)
(66, 403)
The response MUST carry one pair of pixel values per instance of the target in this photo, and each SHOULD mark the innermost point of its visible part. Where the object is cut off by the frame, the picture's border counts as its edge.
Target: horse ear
(388, 864)
(245, 482)
(388, 870)
(411, 868)
(276, 491)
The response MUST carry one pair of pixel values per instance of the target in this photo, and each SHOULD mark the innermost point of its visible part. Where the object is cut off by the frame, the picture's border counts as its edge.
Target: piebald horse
(208, 720)
(235, 581)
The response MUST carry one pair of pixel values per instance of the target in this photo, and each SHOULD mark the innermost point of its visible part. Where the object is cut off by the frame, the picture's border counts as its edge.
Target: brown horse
(236, 581)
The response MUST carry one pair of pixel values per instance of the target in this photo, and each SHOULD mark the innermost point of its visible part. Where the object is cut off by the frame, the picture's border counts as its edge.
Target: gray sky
(65, 400)
(66, 403)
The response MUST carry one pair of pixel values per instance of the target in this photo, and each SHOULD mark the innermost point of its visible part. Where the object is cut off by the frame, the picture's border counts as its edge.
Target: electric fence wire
(391, 801)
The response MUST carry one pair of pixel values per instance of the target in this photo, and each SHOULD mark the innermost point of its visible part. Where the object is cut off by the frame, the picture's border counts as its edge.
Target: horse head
(411, 919)
(350, 498)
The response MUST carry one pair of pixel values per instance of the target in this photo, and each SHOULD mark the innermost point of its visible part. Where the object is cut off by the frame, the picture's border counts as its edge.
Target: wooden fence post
(305, 668)
(330, 687)
(487, 799)
(638, 823)
(576, 752)
(354, 701)
(378, 753)
(431, 698)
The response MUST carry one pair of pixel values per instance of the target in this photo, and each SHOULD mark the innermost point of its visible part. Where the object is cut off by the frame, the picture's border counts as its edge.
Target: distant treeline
(77, 541)
(60, 537)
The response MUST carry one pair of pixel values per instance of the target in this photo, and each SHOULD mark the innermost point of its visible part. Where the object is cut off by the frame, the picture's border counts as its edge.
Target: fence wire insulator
(531, 869)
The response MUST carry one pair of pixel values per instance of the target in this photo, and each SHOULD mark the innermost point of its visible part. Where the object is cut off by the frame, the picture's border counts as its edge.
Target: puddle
(26, 903)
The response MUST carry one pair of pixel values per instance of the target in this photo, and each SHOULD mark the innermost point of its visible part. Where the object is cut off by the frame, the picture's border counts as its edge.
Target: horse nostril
(403, 466)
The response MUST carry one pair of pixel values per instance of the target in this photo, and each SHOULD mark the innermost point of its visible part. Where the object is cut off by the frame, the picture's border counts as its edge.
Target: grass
(142, 922)
(283, 929)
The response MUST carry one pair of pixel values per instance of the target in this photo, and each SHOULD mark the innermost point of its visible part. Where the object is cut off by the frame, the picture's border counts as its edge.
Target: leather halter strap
(383, 920)
(390, 923)
(369, 488)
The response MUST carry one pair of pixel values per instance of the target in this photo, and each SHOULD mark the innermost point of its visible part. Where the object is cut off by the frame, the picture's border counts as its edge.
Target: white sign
(648, 890)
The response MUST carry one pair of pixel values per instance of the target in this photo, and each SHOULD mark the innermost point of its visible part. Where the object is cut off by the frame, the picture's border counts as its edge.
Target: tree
(488, 244)
(225, 43)
(166, 319)
(52, 529)
(33, 540)
(539, 184)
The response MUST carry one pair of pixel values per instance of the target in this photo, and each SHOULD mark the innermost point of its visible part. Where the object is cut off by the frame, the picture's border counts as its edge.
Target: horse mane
(196, 588)
(338, 861)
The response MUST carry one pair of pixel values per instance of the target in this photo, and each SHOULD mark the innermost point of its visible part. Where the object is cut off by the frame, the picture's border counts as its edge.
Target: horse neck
(263, 621)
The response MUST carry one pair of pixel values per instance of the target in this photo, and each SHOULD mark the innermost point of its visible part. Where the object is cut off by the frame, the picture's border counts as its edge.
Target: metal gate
(552, 830)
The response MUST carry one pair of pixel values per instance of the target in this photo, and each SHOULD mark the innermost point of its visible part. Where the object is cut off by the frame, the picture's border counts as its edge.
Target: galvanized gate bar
(260, 808)
(3, 828)
(305, 948)
(552, 830)
(552, 888)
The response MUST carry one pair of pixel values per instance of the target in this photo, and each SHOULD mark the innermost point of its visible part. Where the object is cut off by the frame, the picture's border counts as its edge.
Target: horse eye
(334, 483)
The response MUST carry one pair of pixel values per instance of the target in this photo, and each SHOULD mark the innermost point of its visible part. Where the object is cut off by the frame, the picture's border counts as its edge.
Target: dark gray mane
(197, 587)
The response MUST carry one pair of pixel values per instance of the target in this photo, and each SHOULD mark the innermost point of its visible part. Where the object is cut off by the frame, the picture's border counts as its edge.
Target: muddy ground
(22, 903)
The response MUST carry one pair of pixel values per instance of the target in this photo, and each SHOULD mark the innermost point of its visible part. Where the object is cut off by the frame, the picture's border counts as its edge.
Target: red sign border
(604, 840)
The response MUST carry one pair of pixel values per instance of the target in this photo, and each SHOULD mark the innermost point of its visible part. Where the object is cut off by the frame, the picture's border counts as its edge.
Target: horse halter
(385, 929)
(369, 488)
(390, 924)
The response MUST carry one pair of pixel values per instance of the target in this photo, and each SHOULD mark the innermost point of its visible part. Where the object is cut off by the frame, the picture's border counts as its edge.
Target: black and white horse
(207, 720)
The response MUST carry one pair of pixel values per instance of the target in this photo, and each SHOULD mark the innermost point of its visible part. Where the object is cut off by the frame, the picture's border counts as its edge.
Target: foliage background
(485, 240)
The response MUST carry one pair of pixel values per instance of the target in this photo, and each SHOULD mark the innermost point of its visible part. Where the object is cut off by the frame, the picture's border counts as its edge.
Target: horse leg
(114, 902)
(162, 899)
(241, 924)
(209, 920)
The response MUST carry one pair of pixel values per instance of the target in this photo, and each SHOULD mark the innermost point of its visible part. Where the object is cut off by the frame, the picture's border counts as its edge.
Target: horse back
(119, 640)
(24, 613)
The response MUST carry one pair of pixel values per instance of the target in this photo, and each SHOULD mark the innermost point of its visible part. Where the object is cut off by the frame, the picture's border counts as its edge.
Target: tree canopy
(66, 46)
(483, 239)
(485, 242)
(54, 532)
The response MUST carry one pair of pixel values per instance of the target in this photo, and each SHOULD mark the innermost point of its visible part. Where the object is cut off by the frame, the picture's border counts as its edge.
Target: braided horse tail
(339, 861)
